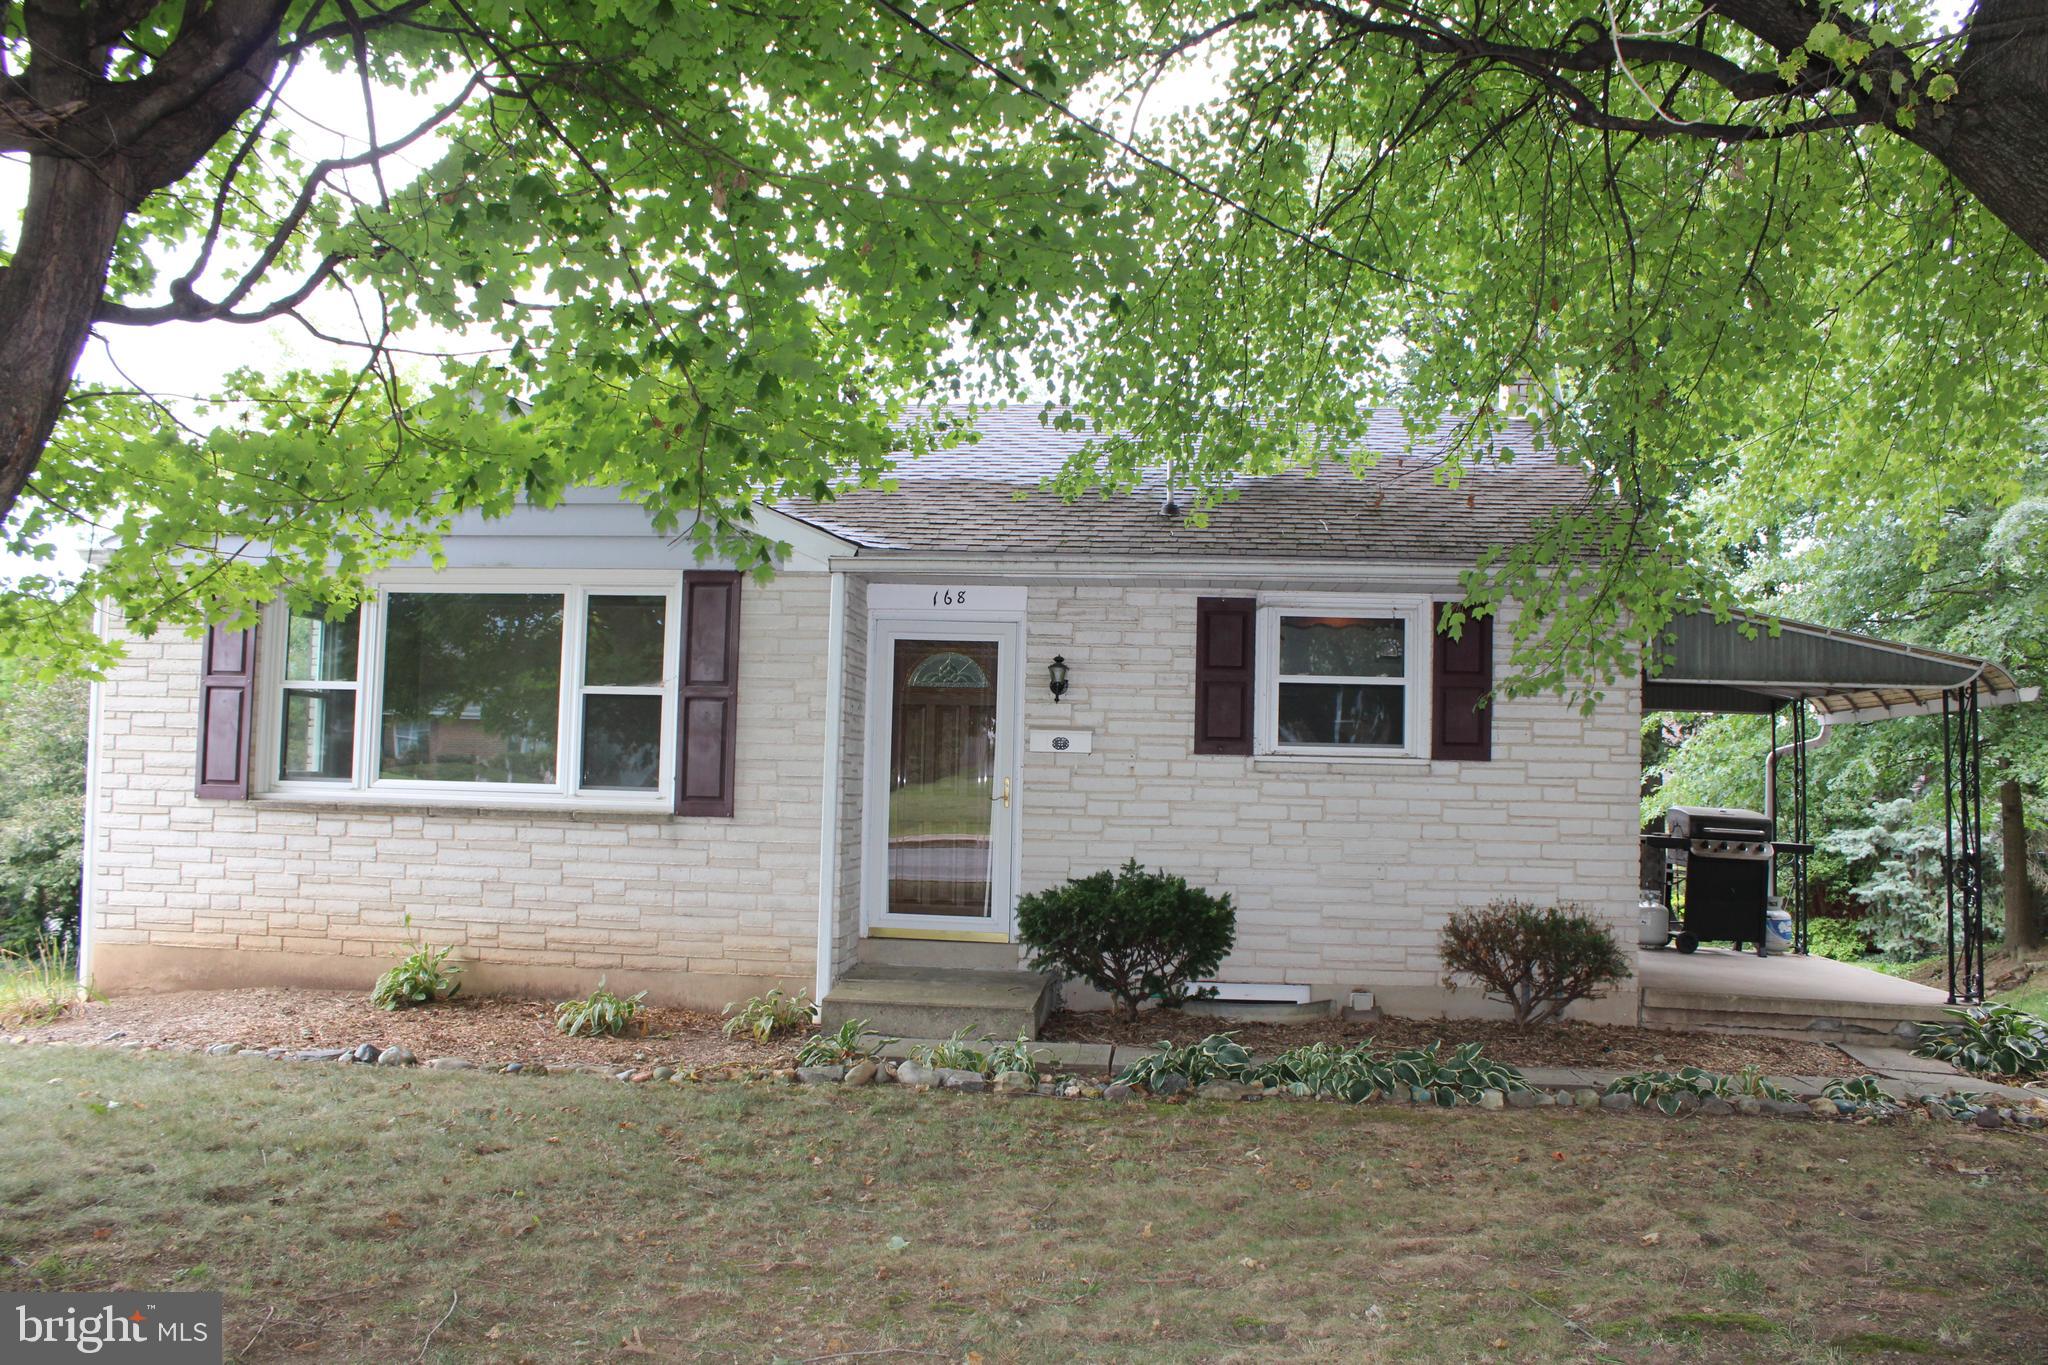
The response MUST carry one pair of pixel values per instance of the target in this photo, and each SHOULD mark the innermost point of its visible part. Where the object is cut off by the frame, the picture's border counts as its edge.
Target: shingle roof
(984, 498)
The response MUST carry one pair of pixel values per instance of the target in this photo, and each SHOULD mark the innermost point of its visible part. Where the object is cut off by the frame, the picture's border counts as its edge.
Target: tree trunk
(2022, 934)
(1994, 137)
(47, 299)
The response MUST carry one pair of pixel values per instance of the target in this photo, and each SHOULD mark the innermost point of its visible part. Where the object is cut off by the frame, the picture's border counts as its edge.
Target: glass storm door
(948, 789)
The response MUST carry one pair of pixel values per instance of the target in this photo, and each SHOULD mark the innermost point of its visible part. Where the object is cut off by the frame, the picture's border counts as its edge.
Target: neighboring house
(575, 752)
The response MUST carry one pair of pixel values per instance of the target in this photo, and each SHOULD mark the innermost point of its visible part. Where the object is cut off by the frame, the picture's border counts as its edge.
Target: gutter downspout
(828, 804)
(1810, 743)
(88, 832)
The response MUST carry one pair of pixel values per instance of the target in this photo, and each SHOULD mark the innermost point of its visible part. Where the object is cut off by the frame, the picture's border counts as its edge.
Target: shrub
(762, 1017)
(600, 1012)
(955, 1054)
(1132, 934)
(1841, 939)
(424, 977)
(842, 1048)
(1664, 1088)
(1536, 961)
(1989, 1040)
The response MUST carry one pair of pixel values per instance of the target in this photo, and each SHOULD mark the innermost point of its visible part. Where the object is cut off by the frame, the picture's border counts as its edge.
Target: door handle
(1005, 797)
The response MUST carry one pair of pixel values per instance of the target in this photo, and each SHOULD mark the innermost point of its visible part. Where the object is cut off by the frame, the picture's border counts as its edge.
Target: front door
(942, 788)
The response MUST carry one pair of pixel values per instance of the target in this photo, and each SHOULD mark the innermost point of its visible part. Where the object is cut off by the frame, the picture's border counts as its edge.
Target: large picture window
(496, 692)
(1343, 677)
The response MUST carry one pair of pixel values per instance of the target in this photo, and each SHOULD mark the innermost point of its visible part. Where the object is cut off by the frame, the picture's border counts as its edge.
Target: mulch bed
(488, 1029)
(479, 1029)
(1602, 1046)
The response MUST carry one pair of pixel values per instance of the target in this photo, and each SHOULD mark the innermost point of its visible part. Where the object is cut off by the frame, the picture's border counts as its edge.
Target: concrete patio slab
(1785, 994)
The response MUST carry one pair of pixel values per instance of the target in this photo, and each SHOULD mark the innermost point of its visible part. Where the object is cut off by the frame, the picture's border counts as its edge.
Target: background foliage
(42, 808)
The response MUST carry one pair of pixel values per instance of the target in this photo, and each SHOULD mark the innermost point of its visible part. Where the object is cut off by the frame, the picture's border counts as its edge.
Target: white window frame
(576, 590)
(1414, 612)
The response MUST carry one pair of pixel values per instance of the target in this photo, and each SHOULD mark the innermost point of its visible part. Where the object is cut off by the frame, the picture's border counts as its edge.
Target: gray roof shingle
(985, 498)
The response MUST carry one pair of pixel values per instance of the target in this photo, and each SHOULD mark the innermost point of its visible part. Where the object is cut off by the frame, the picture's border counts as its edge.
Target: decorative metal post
(1799, 831)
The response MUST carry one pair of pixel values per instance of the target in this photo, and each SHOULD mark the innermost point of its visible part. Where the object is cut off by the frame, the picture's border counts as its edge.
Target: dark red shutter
(227, 693)
(1223, 675)
(1462, 677)
(710, 693)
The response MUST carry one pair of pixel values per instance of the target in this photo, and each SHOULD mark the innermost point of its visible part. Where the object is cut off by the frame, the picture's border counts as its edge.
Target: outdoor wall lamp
(1056, 671)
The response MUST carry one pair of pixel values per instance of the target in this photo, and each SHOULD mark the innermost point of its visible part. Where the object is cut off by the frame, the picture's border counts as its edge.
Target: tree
(42, 810)
(1745, 260)
(709, 252)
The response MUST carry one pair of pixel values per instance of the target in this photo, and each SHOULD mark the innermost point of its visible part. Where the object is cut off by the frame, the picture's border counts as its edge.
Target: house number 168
(949, 597)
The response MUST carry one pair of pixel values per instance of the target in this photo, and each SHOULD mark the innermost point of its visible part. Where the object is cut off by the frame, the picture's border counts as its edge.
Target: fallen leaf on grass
(1650, 1239)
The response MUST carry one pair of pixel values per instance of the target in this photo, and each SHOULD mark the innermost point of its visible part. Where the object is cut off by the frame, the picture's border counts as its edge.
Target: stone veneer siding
(186, 892)
(1343, 873)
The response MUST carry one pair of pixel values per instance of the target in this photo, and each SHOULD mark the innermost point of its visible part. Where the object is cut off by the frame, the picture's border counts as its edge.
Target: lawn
(352, 1214)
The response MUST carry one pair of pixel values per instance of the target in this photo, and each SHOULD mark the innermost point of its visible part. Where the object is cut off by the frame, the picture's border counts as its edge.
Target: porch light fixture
(1056, 672)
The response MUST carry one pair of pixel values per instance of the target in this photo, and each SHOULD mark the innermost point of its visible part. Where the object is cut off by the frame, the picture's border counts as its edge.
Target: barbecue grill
(1717, 866)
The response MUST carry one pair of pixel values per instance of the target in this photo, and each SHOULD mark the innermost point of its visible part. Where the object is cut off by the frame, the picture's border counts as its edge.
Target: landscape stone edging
(1588, 1095)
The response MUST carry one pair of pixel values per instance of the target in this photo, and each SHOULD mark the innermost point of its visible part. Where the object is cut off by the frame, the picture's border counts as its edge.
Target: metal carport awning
(1752, 664)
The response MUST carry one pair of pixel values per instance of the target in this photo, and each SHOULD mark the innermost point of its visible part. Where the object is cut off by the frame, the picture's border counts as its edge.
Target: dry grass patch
(342, 1211)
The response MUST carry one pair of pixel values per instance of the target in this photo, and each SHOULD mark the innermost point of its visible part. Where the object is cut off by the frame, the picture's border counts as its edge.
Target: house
(576, 752)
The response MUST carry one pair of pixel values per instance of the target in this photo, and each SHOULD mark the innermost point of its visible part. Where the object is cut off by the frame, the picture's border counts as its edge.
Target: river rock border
(1981, 1111)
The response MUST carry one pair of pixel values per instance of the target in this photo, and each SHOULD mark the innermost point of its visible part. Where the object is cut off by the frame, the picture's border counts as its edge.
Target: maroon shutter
(710, 693)
(1223, 675)
(227, 688)
(1463, 676)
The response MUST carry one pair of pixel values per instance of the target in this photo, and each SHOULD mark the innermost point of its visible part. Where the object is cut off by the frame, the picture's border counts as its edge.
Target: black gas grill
(1717, 865)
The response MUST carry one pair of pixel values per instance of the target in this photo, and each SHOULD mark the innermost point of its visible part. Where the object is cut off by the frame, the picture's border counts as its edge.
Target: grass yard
(344, 1211)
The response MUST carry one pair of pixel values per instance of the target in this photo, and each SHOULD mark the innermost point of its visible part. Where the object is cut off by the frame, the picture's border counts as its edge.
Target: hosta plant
(1016, 1056)
(1666, 1089)
(1218, 1057)
(1989, 1040)
(1863, 1091)
(957, 1053)
(424, 977)
(764, 1017)
(842, 1047)
(603, 1012)
(1327, 1071)
(1461, 1075)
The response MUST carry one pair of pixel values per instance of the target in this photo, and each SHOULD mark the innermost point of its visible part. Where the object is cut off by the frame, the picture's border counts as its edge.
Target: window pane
(472, 686)
(319, 650)
(622, 742)
(1342, 713)
(1341, 646)
(319, 741)
(624, 643)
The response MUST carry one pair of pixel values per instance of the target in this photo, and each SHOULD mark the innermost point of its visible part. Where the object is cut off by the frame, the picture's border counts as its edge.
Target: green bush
(841, 1048)
(424, 977)
(1839, 939)
(1132, 934)
(600, 1012)
(1535, 961)
(762, 1017)
(1989, 1040)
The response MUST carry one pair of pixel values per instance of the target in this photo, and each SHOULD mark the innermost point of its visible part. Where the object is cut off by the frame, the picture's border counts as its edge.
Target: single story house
(575, 752)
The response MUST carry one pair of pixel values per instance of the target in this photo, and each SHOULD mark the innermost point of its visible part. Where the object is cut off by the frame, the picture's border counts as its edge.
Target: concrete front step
(937, 1002)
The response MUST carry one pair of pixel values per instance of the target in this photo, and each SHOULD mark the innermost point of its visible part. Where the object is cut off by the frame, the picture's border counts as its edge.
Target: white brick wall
(698, 908)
